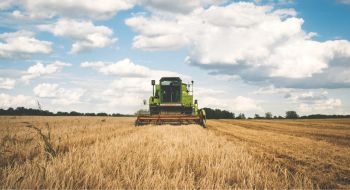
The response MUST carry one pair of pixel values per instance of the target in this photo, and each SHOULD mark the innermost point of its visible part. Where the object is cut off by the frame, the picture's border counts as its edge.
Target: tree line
(210, 114)
(223, 114)
(31, 111)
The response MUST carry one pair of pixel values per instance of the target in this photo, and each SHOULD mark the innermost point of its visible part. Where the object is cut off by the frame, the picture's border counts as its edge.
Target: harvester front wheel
(203, 118)
(137, 123)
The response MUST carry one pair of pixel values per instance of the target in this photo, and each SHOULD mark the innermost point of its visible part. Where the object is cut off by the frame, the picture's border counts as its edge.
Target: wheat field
(108, 152)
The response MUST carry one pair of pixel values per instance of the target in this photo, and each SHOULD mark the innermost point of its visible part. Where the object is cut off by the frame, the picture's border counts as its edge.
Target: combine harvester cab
(172, 103)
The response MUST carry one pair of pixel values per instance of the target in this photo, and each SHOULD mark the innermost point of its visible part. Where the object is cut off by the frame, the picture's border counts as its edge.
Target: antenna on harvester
(153, 82)
(192, 87)
(39, 106)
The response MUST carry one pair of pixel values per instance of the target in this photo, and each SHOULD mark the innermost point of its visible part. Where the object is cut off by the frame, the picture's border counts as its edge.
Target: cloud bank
(257, 43)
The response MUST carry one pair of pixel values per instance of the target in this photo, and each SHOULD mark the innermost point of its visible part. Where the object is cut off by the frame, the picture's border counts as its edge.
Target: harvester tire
(202, 117)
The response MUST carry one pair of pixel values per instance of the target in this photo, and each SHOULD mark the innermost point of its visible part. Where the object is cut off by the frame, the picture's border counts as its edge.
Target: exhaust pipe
(153, 83)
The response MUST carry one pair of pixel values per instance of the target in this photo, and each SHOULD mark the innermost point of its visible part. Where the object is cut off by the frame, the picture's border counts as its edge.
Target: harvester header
(172, 102)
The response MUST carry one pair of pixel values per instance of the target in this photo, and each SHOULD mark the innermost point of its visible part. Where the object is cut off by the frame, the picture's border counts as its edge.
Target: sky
(243, 56)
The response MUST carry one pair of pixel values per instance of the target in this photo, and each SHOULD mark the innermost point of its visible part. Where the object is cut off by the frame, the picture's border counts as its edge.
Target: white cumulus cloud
(243, 104)
(180, 6)
(22, 44)
(46, 90)
(99, 9)
(94, 9)
(85, 34)
(7, 100)
(320, 106)
(40, 69)
(127, 92)
(59, 95)
(221, 100)
(127, 68)
(271, 89)
(7, 83)
(314, 102)
(344, 1)
(237, 104)
(4, 4)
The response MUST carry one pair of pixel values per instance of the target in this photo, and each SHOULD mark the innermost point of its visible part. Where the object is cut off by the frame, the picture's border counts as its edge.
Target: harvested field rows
(105, 152)
(318, 149)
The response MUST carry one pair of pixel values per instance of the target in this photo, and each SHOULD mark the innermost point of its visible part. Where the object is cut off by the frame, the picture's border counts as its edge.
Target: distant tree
(241, 116)
(291, 115)
(257, 116)
(102, 114)
(275, 117)
(218, 114)
(74, 113)
(20, 110)
(268, 115)
(62, 113)
(280, 117)
(10, 110)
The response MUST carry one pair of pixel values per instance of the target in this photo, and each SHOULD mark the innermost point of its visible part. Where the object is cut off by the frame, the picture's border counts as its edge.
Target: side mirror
(195, 102)
(153, 82)
(144, 102)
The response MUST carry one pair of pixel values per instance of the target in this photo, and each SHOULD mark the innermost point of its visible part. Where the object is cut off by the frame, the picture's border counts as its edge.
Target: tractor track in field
(278, 146)
(314, 132)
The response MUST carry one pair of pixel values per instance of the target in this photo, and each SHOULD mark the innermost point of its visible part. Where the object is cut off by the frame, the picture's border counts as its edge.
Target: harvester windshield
(170, 90)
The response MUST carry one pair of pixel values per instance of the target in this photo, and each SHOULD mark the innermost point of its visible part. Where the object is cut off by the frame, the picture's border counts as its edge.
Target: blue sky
(244, 56)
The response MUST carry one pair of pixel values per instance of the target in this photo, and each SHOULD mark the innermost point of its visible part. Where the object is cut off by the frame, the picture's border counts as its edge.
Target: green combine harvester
(172, 103)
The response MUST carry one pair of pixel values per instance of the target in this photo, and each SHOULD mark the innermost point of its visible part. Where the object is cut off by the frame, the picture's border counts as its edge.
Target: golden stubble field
(108, 152)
